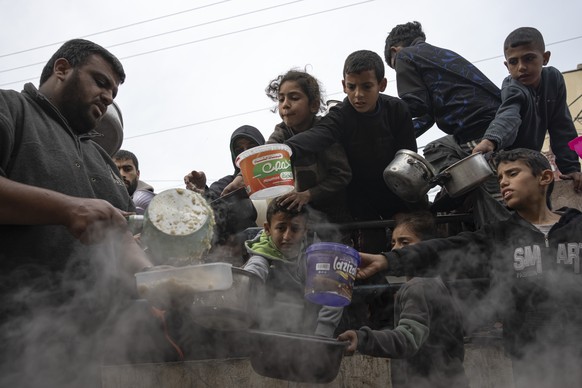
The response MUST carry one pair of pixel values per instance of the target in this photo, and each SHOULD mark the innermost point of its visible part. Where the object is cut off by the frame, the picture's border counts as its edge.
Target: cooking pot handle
(440, 179)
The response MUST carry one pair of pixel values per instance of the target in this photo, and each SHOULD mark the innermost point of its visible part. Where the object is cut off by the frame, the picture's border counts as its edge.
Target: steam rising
(56, 326)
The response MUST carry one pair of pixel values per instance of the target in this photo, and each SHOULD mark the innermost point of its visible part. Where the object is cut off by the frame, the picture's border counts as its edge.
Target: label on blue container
(330, 277)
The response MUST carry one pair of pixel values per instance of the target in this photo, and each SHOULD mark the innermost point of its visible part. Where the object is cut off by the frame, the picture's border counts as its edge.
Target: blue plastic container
(331, 271)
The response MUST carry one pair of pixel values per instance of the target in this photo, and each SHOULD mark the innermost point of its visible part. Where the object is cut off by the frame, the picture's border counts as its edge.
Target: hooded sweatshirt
(536, 279)
(284, 307)
(235, 214)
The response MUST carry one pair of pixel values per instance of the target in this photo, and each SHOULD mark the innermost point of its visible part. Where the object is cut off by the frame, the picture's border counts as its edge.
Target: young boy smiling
(533, 263)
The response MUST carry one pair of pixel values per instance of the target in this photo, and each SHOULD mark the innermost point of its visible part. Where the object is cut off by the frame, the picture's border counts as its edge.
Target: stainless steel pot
(231, 309)
(296, 357)
(409, 176)
(465, 175)
(177, 227)
(110, 129)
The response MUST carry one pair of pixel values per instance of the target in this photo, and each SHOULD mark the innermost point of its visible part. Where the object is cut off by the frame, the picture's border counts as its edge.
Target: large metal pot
(465, 175)
(409, 176)
(177, 227)
(110, 130)
(296, 357)
(233, 309)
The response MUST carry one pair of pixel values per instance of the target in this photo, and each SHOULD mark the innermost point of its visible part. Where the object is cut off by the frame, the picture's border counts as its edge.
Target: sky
(197, 70)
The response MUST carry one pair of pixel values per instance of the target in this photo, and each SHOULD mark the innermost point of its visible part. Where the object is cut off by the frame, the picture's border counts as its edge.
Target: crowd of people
(68, 257)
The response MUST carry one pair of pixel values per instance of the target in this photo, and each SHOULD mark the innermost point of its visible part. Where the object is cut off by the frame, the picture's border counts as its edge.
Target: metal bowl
(296, 357)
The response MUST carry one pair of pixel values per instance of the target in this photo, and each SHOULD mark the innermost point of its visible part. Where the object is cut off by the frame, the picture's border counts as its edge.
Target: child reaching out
(533, 263)
(277, 255)
(426, 346)
(320, 178)
(533, 103)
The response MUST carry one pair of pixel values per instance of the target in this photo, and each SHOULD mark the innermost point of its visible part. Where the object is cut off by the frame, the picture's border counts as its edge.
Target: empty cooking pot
(465, 175)
(296, 357)
(409, 176)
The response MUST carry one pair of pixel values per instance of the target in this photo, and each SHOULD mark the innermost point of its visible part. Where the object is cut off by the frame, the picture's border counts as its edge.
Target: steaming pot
(409, 176)
(233, 309)
(465, 175)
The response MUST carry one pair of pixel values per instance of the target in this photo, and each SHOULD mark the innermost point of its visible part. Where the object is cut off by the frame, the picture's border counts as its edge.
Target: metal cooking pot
(296, 357)
(110, 129)
(409, 176)
(177, 227)
(465, 175)
(231, 309)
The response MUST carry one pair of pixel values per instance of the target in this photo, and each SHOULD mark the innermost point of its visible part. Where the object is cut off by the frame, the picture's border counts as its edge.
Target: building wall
(573, 79)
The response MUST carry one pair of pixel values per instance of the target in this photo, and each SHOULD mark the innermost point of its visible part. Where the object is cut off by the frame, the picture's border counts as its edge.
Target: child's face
(520, 189)
(294, 106)
(287, 232)
(402, 236)
(525, 64)
(363, 90)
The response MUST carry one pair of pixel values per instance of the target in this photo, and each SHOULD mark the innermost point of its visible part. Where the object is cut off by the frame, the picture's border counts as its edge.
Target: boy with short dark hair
(533, 263)
(442, 87)
(372, 127)
(533, 104)
(277, 255)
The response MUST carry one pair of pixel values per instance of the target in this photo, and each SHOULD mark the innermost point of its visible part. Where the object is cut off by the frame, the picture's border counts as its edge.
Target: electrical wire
(164, 33)
(208, 38)
(117, 28)
(215, 37)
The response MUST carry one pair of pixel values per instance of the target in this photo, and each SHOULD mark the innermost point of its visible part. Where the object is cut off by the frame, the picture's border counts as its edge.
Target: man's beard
(74, 110)
(132, 187)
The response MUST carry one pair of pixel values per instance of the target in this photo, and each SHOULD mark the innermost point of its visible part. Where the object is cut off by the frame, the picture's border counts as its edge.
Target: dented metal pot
(409, 176)
(465, 175)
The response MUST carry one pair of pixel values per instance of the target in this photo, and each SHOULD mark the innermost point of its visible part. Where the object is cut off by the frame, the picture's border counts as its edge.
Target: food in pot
(178, 227)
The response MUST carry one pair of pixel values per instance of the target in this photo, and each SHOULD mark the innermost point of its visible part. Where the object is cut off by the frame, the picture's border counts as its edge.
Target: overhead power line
(163, 33)
(118, 28)
(205, 39)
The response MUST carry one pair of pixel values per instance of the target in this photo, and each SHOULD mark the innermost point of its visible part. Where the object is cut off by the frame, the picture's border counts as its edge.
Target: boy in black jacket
(533, 263)
(533, 103)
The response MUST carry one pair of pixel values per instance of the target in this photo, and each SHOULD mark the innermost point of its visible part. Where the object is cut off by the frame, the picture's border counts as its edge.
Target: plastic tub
(170, 285)
(331, 271)
(576, 145)
(266, 170)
